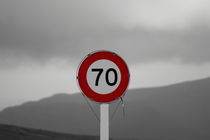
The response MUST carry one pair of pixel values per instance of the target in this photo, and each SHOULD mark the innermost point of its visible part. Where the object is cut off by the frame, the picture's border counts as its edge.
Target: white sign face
(103, 76)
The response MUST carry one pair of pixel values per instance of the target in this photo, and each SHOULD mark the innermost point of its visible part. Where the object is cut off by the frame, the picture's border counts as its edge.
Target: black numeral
(115, 77)
(100, 71)
(98, 76)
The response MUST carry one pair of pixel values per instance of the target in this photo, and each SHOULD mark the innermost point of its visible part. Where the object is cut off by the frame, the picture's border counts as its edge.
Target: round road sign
(103, 76)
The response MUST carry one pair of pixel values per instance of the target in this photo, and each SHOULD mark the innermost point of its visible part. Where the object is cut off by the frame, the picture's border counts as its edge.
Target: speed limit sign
(103, 76)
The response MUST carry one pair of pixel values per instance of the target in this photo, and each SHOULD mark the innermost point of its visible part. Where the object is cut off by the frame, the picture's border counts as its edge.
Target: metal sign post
(103, 77)
(104, 121)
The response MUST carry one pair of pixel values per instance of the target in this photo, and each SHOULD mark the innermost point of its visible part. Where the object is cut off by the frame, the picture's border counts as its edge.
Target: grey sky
(43, 41)
(139, 30)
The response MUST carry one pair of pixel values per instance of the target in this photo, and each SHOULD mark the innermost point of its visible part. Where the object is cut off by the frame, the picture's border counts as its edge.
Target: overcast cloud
(163, 41)
(139, 30)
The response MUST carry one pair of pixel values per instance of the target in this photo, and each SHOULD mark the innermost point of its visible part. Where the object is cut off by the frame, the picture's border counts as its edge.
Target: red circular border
(82, 76)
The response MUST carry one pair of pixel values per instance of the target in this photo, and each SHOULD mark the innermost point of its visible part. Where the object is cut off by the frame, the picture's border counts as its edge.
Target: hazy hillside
(179, 111)
(8, 132)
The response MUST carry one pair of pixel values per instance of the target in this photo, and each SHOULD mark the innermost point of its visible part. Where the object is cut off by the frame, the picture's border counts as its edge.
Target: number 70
(100, 71)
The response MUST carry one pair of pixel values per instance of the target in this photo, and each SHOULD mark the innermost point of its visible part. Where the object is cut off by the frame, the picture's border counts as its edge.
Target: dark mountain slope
(180, 111)
(8, 132)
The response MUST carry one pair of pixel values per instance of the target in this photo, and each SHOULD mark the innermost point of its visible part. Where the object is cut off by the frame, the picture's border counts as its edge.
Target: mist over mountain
(179, 111)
